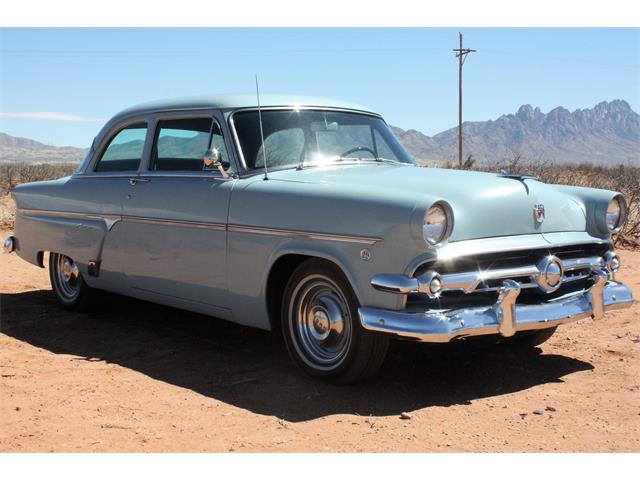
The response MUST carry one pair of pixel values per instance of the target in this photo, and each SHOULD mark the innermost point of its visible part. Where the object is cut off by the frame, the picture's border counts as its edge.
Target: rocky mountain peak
(608, 133)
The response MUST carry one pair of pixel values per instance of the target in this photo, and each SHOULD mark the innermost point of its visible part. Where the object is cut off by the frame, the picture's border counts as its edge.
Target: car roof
(232, 102)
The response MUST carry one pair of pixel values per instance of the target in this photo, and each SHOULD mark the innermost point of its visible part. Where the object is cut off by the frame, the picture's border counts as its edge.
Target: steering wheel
(359, 149)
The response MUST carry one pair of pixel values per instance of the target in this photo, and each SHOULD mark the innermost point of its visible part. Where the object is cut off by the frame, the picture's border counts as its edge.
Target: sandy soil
(139, 377)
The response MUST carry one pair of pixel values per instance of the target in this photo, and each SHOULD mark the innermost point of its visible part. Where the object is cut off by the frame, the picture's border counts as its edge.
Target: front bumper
(505, 317)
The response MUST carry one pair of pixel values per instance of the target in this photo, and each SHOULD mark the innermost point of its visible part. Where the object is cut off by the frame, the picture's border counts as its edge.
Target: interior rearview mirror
(324, 126)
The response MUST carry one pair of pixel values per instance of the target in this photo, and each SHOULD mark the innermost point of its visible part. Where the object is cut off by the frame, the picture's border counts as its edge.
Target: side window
(124, 152)
(181, 144)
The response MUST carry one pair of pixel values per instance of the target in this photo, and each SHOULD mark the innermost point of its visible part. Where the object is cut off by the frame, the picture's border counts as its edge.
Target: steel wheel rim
(321, 322)
(67, 277)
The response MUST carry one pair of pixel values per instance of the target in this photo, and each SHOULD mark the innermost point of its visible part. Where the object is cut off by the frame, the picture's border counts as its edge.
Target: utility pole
(461, 54)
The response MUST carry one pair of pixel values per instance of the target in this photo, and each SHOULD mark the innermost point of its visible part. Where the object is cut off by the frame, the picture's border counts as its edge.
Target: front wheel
(321, 328)
(68, 285)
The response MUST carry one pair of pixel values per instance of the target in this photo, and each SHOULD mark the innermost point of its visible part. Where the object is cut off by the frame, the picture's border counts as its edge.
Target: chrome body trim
(393, 283)
(177, 223)
(303, 234)
(146, 175)
(204, 175)
(110, 220)
(505, 317)
(94, 175)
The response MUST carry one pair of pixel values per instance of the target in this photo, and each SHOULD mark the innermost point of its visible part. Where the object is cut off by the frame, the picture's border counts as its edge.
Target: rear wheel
(68, 285)
(321, 328)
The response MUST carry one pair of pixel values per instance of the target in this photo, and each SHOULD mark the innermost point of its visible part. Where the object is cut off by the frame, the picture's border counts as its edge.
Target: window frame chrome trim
(154, 120)
(151, 119)
(110, 135)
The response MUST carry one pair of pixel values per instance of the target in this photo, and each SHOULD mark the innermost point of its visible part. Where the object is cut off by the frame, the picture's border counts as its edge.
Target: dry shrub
(14, 173)
(7, 212)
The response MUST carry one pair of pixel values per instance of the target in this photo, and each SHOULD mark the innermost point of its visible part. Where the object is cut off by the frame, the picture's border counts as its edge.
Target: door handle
(135, 181)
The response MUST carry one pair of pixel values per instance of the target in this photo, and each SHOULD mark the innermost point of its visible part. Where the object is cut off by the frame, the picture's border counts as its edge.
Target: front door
(175, 216)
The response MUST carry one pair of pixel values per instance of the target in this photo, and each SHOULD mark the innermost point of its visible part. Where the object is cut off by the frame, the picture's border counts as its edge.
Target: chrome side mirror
(212, 161)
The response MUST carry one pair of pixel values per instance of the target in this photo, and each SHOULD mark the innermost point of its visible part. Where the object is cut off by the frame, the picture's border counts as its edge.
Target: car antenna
(264, 147)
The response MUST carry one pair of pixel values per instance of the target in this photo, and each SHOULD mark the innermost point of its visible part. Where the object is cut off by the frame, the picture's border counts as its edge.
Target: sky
(59, 86)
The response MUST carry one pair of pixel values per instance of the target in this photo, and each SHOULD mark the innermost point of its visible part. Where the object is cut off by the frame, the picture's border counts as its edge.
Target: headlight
(437, 224)
(616, 214)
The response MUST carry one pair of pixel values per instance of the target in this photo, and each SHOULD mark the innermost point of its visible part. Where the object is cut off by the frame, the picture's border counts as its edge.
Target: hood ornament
(517, 176)
(538, 212)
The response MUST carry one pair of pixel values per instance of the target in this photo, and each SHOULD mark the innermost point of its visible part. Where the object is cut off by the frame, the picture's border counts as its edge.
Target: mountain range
(18, 149)
(606, 134)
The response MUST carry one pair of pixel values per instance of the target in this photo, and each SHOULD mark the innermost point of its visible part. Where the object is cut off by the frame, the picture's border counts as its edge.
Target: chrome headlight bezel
(438, 209)
(620, 219)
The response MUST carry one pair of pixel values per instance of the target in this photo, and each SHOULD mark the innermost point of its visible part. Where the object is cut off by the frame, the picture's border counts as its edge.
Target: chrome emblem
(365, 254)
(551, 274)
(538, 212)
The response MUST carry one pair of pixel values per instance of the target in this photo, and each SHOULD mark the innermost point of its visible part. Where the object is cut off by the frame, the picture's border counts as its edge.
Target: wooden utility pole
(461, 53)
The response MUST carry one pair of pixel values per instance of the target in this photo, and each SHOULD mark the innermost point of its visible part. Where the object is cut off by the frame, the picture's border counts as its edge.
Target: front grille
(486, 292)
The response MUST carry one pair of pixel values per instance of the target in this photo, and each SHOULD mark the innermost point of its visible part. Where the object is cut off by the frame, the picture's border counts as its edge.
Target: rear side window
(182, 143)
(124, 152)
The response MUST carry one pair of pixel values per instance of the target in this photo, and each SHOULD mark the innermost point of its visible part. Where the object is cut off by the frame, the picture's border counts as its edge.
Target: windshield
(310, 137)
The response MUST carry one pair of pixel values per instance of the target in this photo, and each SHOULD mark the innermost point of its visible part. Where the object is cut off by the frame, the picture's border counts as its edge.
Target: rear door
(101, 191)
(175, 215)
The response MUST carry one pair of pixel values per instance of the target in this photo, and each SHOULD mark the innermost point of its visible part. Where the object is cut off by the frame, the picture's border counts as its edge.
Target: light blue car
(309, 216)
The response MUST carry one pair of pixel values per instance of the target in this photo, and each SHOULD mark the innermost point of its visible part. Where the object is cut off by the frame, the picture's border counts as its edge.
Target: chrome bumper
(504, 317)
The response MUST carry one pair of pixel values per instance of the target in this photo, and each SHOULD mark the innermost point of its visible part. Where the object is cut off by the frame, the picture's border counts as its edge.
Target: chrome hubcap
(320, 316)
(67, 276)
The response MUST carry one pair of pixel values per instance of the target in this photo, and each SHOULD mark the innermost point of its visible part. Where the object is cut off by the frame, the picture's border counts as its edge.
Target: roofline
(235, 102)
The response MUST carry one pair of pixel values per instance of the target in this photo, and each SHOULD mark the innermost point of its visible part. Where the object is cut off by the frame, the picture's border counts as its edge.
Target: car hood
(484, 204)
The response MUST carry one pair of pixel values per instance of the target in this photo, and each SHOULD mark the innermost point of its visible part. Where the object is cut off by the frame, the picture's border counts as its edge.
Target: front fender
(594, 203)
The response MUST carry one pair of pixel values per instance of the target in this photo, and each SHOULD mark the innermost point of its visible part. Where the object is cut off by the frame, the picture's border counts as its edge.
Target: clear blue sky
(409, 75)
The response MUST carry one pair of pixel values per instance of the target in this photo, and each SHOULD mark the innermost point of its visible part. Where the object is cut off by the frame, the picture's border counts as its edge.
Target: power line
(461, 54)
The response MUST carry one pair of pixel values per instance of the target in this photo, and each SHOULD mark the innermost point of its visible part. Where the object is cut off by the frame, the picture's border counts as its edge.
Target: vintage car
(307, 215)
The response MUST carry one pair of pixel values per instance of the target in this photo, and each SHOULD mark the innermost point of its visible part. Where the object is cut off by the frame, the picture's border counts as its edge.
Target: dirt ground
(139, 377)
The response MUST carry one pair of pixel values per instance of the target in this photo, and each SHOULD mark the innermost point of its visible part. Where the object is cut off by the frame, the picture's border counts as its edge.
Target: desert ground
(133, 376)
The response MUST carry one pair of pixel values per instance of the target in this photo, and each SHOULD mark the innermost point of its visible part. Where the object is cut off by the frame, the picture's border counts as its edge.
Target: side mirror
(212, 161)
